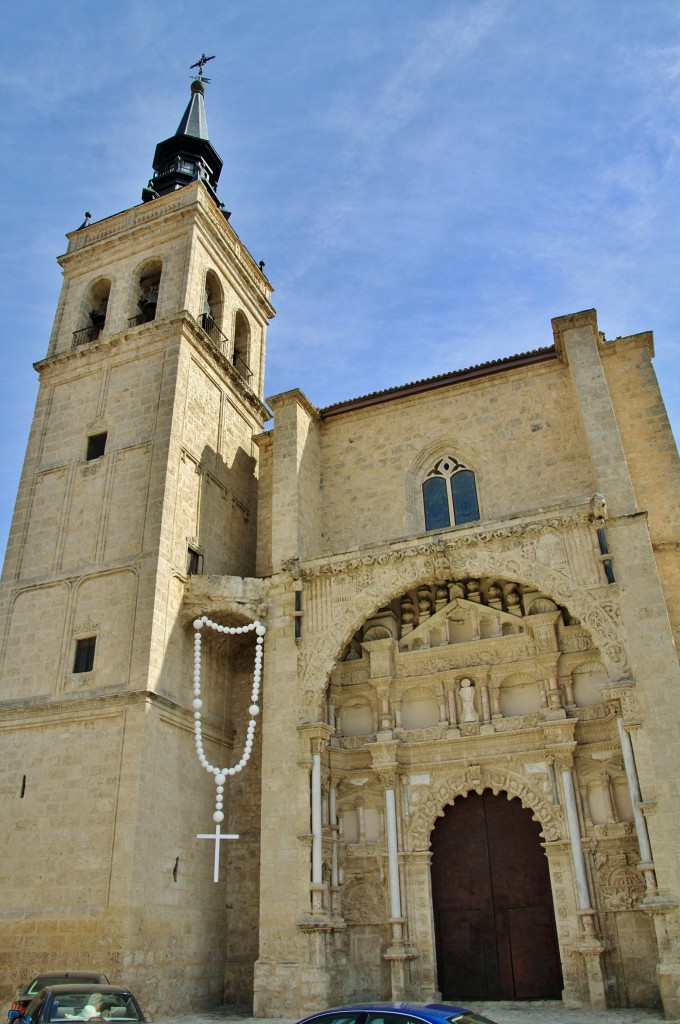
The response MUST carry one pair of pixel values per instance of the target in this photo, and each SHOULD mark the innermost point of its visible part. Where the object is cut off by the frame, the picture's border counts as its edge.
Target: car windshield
(117, 1006)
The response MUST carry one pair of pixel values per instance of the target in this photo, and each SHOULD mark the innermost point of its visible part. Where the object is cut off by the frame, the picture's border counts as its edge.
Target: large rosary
(221, 774)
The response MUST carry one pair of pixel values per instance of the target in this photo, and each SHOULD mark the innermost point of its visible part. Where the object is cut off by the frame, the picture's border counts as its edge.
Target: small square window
(96, 445)
(84, 659)
(194, 562)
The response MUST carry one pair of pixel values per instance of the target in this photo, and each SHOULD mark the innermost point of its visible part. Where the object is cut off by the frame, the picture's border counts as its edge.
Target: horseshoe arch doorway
(492, 903)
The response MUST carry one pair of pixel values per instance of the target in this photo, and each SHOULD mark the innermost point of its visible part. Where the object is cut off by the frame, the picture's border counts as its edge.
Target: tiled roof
(537, 355)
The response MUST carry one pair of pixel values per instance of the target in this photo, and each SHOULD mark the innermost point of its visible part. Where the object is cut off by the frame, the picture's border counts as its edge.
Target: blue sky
(428, 181)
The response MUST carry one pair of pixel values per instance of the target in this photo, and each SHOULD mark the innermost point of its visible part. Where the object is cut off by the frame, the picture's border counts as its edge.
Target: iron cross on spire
(200, 64)
(217, 837)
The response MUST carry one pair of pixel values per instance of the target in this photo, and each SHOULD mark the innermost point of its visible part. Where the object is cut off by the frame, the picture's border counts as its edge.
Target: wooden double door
(493, 912)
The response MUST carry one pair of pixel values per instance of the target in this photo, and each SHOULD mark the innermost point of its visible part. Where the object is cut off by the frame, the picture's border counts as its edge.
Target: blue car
(80, 1003)
(397, 1013)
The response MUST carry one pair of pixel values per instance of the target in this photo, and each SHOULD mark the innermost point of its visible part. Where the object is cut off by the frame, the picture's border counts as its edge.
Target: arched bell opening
(146, 290)
(241, 351)
(93, 316)
(213, 306)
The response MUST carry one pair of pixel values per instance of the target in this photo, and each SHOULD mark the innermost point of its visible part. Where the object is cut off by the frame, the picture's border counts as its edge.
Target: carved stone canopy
(491, 606)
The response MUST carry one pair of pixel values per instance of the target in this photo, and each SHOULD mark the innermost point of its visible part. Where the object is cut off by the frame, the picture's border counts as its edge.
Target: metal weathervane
(200, 64)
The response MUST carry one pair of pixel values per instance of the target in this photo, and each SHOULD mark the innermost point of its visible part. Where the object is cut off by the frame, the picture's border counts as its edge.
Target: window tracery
(449, 494)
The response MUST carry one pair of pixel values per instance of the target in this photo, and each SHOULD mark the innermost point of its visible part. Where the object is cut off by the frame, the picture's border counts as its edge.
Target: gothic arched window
(449, 495)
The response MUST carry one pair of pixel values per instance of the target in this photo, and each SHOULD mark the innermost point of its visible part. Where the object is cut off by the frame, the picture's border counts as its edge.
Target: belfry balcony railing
(214, 333)
(86, 335)
(243, 369)
(141, 318)
(220, 339)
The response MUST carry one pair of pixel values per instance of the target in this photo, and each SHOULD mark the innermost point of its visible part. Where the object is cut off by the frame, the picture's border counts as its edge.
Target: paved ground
(502, 1013)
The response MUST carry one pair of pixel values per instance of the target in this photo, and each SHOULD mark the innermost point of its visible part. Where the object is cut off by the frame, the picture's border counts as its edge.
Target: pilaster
(296, 479)
(577, 340)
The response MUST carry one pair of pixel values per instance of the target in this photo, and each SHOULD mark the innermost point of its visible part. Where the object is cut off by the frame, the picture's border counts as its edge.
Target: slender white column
(316, 820)
(576, 845)
(332, 805)
(635, 795)
(361, 818)
(392, 853)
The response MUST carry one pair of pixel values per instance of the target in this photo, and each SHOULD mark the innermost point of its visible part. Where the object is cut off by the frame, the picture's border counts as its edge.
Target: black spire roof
(186, 155)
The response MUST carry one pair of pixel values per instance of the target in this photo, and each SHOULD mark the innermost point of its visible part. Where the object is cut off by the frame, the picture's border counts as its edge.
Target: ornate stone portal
(461, 682)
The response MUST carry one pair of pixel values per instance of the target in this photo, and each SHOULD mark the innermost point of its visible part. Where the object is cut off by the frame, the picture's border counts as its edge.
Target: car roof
(46, 978)
(70, 974)
(440, 1011)
(81, 987)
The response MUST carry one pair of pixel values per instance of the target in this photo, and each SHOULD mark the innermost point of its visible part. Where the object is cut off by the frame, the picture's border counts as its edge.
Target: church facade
(463, 783)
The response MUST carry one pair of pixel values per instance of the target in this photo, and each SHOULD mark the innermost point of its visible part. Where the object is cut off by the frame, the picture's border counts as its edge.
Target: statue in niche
(598, 506)
(467, 696)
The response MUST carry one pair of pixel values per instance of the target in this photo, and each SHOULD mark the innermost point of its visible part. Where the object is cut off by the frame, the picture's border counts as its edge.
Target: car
(55, 978)
(397, 1013)
(80, 1002)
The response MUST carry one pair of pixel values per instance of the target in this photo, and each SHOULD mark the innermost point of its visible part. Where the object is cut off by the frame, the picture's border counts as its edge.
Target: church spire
(188, 154)
(194, 121)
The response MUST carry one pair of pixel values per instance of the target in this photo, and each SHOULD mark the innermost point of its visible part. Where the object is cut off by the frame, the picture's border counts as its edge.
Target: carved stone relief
(509, 553)
(446, 789)
(363, 900)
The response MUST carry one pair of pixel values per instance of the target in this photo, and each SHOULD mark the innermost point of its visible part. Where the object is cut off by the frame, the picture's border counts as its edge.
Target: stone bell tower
(140, 471)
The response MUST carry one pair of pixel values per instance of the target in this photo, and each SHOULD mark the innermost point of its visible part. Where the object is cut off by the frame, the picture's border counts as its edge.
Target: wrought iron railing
(242, 368)
(214, 333)
(222, 342)
(141, 318)
(86, 335)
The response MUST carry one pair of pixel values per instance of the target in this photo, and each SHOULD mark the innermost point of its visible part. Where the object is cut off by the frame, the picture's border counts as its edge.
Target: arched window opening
(97, 301)
(148, 287)
(449, 495)
(242, 346)
(211, 315)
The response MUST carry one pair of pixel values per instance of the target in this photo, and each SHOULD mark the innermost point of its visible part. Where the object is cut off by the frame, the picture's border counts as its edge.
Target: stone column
(590, 946)
(318, 736)
(361, 819)
(647, 862)
(333, 823)
(317, 879)
(453, 714)
(398, 954)
(393, 862)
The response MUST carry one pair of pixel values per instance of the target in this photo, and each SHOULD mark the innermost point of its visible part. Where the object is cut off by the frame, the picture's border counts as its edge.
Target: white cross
(218, 838)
